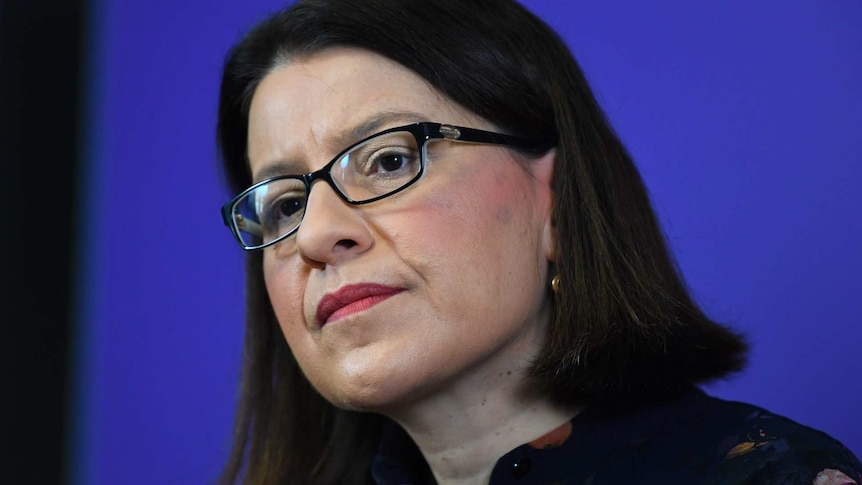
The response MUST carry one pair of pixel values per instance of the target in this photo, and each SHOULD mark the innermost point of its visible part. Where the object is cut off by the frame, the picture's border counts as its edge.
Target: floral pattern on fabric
(833, 477)
(556, 437)
(696, 439)
(760, 439)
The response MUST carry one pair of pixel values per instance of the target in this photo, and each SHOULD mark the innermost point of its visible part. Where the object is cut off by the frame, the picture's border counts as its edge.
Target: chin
(370, 377)
(355, 396)
(372, 389)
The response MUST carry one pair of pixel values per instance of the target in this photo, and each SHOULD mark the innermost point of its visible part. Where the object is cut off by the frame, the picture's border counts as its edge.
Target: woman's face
(439, 289)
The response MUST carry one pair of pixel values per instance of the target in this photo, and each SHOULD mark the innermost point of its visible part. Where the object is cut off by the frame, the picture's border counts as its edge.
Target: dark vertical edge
(81, 438)
(40, 90)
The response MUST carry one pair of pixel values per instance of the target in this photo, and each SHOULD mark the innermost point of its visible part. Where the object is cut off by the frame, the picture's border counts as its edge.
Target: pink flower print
(833, 477)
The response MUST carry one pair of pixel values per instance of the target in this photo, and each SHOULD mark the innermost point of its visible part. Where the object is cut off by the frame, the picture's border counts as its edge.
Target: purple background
(745, 120)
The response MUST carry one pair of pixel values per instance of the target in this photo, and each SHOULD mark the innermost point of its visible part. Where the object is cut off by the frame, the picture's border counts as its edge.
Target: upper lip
(332, 302)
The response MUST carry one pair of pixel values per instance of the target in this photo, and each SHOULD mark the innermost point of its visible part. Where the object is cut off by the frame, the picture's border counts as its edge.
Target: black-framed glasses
(378, 166)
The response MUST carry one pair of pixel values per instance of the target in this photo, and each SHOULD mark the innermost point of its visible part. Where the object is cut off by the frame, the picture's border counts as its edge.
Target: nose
(332, 231)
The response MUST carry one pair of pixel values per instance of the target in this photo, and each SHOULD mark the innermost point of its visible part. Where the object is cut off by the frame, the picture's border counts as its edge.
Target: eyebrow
(345, 139)
(376, 123)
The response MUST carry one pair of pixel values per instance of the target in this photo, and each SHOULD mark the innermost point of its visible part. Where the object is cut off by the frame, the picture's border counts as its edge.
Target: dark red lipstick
(352, 299)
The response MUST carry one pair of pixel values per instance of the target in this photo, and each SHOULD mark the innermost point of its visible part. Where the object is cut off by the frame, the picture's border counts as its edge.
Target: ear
(549, 240)
(543, 173)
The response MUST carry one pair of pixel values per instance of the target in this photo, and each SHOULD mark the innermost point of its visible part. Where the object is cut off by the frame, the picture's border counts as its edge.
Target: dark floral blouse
(696, 439)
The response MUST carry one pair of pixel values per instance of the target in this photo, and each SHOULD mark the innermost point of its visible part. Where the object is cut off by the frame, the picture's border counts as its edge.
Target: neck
(463, 433)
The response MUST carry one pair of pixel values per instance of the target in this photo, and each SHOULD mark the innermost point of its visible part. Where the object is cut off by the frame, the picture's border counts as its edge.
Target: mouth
(352, 299)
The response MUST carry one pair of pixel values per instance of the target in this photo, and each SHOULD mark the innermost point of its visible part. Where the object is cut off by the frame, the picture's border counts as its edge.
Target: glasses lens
(270, 211)
(379, 166)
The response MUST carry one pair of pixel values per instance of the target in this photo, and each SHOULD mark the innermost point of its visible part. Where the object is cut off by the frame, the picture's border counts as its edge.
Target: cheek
(285, 285)
(473, 238)
(476, 216)
(286, 281)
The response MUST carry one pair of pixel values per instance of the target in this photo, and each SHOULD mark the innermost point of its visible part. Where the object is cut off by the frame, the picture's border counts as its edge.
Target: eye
(283, 213)
(378, 166)
(289, 206)
(391, 162)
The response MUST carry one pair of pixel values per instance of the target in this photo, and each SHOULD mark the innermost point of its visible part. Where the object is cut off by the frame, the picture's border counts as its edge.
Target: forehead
(316, 104)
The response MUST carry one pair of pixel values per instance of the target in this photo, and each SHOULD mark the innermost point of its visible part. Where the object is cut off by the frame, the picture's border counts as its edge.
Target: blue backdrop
(745, 118)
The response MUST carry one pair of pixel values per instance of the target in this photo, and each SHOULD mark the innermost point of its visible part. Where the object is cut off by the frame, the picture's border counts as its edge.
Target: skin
(469, 244)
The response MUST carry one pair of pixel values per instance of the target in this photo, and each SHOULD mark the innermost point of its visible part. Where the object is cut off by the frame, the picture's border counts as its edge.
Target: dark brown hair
(625, 330)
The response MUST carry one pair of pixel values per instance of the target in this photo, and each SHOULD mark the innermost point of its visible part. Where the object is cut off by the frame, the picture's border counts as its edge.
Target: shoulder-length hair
(624, 332)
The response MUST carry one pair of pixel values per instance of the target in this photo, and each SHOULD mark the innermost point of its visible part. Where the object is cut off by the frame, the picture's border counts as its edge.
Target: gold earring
(555, 283)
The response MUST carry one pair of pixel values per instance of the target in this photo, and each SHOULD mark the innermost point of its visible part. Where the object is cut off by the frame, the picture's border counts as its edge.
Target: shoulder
(758, 446)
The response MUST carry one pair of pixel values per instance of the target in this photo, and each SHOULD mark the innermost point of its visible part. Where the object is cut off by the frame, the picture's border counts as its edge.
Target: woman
(454, 273)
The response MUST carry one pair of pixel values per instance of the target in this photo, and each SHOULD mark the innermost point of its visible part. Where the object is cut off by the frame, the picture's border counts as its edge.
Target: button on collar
(522, 467)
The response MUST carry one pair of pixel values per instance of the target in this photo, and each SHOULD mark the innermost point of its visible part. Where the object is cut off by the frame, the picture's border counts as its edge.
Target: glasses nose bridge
(323, 174)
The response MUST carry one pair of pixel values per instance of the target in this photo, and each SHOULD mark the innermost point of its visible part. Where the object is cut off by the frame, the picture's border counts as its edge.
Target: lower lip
(358, 306)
